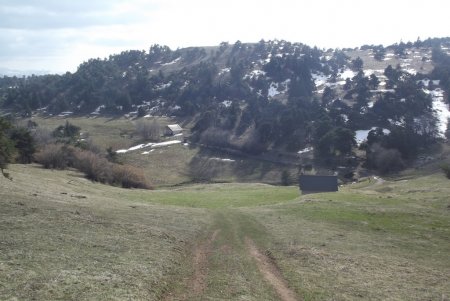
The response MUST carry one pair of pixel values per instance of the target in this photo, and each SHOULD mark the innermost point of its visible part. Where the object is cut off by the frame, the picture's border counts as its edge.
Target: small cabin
(173, 129)
(315, 184)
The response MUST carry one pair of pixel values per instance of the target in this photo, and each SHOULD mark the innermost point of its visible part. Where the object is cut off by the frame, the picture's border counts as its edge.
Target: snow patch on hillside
(305, 150)
(347, 73)
(227, 103)
(440, 109)
(369, 72)
(222, 159)
(411, 71)
(151, 145)
(255, 74)
(320, 79)
(224, 70)
(278, 88)
(163, 86)
(361, 135)
(172, 62)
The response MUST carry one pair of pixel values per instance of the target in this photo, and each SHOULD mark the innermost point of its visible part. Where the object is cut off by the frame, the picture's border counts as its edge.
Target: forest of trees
(241, 75)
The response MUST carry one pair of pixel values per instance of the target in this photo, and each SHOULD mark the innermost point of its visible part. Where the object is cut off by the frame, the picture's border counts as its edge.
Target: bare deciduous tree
(149, 129)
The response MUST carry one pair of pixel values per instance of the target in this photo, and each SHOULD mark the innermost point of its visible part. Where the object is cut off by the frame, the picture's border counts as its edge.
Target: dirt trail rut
(271, 272)
(197, 284)
(201, 254)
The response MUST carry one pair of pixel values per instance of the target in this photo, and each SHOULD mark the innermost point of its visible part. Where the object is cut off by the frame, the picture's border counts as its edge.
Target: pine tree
(7, 149)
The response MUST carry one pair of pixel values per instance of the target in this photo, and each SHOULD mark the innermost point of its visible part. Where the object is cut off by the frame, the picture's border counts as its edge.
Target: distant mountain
(20, 73)
(267, 95)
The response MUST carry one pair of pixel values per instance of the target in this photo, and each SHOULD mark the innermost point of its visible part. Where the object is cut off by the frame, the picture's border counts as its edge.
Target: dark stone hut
(312, 183)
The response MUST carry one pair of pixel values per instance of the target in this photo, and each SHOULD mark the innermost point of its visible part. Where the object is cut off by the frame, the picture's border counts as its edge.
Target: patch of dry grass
(387, 241)
(64, 237)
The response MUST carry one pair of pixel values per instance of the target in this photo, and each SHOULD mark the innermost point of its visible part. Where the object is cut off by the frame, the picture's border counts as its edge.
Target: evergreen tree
(7, 149)
(24, 143)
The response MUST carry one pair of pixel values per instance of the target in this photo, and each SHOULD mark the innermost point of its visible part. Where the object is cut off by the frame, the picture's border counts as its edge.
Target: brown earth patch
(201, 254)
(198, 282)
(271, 272)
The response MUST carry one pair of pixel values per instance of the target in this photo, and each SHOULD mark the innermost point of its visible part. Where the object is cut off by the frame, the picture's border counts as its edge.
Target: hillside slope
(64, 237)
(272, 95)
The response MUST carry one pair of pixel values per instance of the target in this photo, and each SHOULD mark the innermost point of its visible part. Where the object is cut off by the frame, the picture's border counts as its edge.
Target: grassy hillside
(172, 165)
(64, 237)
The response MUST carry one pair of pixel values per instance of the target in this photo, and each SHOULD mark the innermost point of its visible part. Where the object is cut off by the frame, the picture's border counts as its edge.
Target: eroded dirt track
(228, 265)
(270, 272)
(201, 254)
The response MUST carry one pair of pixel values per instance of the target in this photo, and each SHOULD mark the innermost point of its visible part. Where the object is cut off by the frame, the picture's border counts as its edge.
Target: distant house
(172, 129)
(312, 184)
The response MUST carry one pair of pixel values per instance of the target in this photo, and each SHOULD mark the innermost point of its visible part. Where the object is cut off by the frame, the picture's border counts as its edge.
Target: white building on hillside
(173, 129)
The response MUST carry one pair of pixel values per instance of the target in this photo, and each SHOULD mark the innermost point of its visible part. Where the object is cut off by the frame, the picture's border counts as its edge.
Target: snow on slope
(440, 109)
(151, 145)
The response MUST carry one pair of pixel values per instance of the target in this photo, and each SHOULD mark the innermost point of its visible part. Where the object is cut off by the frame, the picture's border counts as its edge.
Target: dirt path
(201, 254)
(270, 272)
(198, 283)
(234, 260)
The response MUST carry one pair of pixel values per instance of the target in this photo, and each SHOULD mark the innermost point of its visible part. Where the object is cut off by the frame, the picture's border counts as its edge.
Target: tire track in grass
(270, 272)
(197, 284)
(201, 254)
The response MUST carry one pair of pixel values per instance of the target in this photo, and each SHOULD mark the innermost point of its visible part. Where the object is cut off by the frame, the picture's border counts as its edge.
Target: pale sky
(58, 35)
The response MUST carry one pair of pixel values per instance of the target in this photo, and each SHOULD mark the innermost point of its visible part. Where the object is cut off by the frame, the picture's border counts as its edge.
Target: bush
(285, 178)
(95, 167)
(385, 160)
(25, 145)
(129, 177)
(7, 150)
(446, 169)
(98, 168)
(55, 156)
(148, 130)
(67, 133)
(215, 137)
(43, 136)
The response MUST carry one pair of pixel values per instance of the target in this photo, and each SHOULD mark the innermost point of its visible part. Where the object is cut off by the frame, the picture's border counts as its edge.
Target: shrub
(215, 137)
(7, 150)
(148, 129)
(285, 178)
(446, 169)
(43, 136)
(55, 156)
(95, 167)
(67, 133)
(129, 177)
(98, 168)
(385, 160)
(24, 143)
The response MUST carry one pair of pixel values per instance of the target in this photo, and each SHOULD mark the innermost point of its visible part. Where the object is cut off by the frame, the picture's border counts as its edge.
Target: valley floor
(63, 237)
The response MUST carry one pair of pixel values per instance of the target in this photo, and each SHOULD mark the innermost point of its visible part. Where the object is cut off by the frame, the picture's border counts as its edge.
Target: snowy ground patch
(305, 150)
(361, 135)
(277, 88)
(227, 103)
(411, 71)
(426, 82)
(224, 70)
(151, 145)
(440, 109)
(320, 79)
(255, 74)
(347, 73)
(383, 91)
(172, 62)
(222, 159)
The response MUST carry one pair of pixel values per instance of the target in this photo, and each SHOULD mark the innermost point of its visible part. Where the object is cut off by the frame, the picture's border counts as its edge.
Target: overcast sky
(58, 35)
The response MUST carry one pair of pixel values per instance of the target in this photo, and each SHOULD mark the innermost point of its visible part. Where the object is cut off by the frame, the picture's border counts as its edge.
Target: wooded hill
(266, 95)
